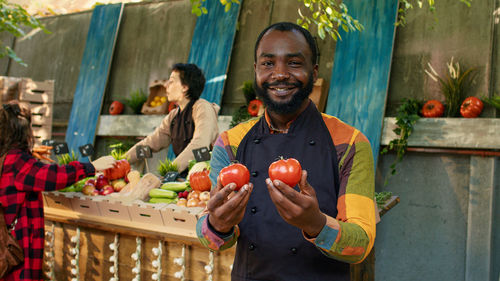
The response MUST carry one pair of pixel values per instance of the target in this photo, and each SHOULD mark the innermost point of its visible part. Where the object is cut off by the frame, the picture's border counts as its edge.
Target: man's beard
(286, 107)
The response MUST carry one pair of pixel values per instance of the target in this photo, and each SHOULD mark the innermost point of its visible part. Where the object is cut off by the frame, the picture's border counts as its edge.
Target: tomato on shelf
(471, 107)
(237, 173)
(288, 171)
(200, 181)
(254, 107)
(116, 108)
(433, 108)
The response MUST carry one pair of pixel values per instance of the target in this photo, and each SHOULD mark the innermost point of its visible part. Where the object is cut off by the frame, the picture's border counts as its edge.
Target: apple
(88, 189)
(101, 181)
(107, 189)
(118, 184)
(90, 182)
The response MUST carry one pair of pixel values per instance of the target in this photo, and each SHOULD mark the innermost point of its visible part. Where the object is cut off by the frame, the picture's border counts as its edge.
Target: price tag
(86, 150)
(143, 152)
(61, 148)
(48, 142)
(170, 176)
(201, 154)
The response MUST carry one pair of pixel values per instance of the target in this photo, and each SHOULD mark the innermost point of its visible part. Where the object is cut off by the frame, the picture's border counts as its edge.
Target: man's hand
(300, 209)
(103, 163)
(226, 209)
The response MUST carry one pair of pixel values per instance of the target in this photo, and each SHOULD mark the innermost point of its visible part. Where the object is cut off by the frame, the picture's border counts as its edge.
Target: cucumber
(175, 186)
(162, 200)
(161, 193)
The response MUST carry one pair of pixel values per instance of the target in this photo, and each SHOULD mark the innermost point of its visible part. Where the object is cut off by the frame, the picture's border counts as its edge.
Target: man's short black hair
(191, 76)
(288, 26)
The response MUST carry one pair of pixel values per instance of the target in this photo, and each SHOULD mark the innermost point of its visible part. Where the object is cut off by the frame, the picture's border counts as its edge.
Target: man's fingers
(220, 195)
(305, 187)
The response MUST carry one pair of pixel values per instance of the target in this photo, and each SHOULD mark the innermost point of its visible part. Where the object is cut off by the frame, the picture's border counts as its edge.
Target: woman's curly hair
(15, 127)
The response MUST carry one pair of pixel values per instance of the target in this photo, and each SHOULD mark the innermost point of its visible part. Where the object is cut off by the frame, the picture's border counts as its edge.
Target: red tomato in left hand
(471, 107)
(237, 173)
(116, 108)
(288, 171)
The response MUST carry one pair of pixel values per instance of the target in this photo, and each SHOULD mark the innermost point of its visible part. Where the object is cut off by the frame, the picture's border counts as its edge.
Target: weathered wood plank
(212, 44)
(362, 63)
(478, 133)
(93, 75)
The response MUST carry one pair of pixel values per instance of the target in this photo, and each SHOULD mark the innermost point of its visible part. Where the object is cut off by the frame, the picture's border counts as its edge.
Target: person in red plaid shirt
(22, 180)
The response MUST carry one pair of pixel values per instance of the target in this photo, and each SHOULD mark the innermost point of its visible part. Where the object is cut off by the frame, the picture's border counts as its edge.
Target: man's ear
(315, 72)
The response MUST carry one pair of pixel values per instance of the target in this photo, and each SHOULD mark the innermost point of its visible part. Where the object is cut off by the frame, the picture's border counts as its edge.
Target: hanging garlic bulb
(49, 253)
(137, 257)
(75, 251)
(209, 268)
(114, 259)
(157, 251)
(181, 262)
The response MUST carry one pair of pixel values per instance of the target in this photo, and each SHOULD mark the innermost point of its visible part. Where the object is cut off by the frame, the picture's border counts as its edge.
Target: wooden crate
(36, 91)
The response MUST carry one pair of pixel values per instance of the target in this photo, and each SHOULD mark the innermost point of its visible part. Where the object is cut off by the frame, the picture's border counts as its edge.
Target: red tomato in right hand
(237, 173)
(288, 171)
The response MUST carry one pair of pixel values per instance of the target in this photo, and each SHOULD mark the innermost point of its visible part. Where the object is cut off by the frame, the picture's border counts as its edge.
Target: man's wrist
(219, 231)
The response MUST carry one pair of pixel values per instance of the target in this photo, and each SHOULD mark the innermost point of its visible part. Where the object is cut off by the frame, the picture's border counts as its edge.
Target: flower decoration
(157, 262)
(181, 261)
(137, 257)
(75, 252)
(453, 86)
(114, 259)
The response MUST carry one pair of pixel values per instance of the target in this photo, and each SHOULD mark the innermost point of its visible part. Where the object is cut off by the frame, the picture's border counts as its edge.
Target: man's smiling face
(284, 72)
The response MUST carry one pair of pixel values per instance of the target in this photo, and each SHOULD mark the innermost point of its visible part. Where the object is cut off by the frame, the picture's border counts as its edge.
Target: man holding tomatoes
(190, 126)
(288, 231)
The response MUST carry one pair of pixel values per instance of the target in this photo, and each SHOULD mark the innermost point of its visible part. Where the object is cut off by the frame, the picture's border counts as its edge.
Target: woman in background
(22, 180)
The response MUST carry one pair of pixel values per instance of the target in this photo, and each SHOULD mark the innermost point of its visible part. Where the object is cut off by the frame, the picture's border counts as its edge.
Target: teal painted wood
(362, 63)
(212, 44)
(94, 70)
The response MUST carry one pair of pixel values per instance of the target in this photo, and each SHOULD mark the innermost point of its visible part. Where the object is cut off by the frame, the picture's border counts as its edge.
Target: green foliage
(454, 85)
(118, 150)
(248, 91)
(493, 101)
(198, 10)
(166, 166)
(407, 116)
(240, 115)
(406, 5)
(382, 197)
(66, 158)
(12, 18)
(328, 16)
(136, 100)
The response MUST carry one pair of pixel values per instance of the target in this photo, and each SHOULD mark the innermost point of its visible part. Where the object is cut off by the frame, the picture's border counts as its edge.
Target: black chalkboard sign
(61, 148)
(143, 152)
(170, 176)
(201, 154)
(86, 150)
(48, 142)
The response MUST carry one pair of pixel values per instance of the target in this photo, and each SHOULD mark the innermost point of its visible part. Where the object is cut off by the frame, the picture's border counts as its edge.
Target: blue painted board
(94, 70)
(362, 63)
(212, 44)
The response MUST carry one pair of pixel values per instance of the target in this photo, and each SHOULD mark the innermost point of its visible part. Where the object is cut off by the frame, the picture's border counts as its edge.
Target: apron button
(312, 142)
(256, 141)
(251, 247)
(294, 250)
(255, 174)
(253, 210)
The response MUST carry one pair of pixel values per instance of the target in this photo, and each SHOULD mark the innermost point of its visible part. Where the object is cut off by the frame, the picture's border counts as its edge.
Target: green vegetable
(64, 159)
(167, 166)
(162, 200)
(382, 197)
(162, 193)
(493, 101)
(175, 186)
(136, 100)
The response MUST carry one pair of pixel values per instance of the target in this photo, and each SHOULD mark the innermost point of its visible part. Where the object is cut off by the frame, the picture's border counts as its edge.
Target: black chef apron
(269, 248)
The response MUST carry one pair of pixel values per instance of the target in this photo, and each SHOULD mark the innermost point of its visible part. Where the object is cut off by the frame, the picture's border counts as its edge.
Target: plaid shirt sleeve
(33, 175)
